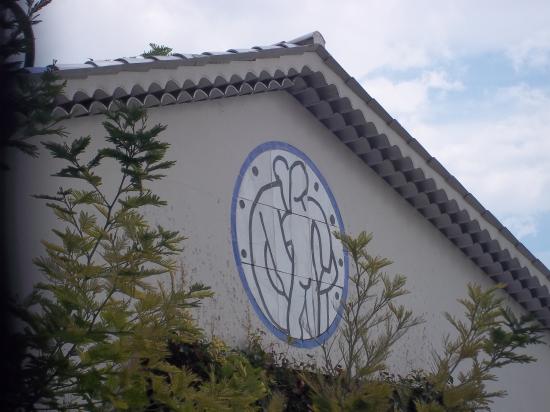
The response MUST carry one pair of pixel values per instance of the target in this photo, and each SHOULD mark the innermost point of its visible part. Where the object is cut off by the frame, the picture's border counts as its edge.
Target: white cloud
(521, 226)
(532, 52)
(544, 257)
(402, 98)
(439, 80)
(502, 160)
(362, 35)
(410, 98)
(502, 156)
(522, 96)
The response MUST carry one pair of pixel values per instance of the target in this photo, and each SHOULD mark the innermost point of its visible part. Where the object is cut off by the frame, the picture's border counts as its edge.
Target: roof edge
(314, 37)
(431, 161)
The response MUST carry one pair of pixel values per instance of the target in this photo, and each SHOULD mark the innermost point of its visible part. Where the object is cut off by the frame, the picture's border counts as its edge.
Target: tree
(488, 338)
(97, 332)
(354, 376)
(157, 50)
(27, 101)
(371, 323)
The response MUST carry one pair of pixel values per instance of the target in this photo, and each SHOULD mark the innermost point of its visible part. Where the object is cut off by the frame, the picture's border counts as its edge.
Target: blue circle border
(277, 145)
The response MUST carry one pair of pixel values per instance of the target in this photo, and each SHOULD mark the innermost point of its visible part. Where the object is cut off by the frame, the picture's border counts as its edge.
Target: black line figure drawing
(293, 263)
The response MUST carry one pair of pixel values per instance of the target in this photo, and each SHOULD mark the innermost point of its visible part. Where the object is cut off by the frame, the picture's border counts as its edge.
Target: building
(279, 146)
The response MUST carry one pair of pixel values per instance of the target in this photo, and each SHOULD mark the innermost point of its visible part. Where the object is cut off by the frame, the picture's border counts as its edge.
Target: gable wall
(210, 141)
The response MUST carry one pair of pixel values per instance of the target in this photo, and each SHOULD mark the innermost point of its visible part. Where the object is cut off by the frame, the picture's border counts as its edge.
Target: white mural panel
(292, 266)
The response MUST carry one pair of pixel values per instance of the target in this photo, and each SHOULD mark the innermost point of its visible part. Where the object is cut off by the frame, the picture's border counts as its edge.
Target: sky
(469, 79)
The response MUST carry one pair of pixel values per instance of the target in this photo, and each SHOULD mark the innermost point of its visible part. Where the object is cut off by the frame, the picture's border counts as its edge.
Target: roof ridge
(315, 37)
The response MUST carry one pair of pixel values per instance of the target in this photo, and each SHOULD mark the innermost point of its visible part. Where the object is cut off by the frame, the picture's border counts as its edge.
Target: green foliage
(488, 338)
(371, 323)
(413, 392)
(33, 102)
(97, 332)
(157, 50)
(225, 379)
(27, 100)
(288, 390)
(355, 378)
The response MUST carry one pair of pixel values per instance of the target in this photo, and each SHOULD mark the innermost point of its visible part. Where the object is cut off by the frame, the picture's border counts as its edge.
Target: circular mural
(283, 219)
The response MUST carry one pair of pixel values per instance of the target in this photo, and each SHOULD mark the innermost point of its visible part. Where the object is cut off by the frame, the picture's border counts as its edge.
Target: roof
(404, 164)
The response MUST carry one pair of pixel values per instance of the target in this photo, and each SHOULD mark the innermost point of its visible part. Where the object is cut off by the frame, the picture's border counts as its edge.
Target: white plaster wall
(210, 140)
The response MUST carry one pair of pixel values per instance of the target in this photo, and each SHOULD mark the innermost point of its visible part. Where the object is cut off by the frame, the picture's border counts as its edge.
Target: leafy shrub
(354, 377)
(97, 333)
